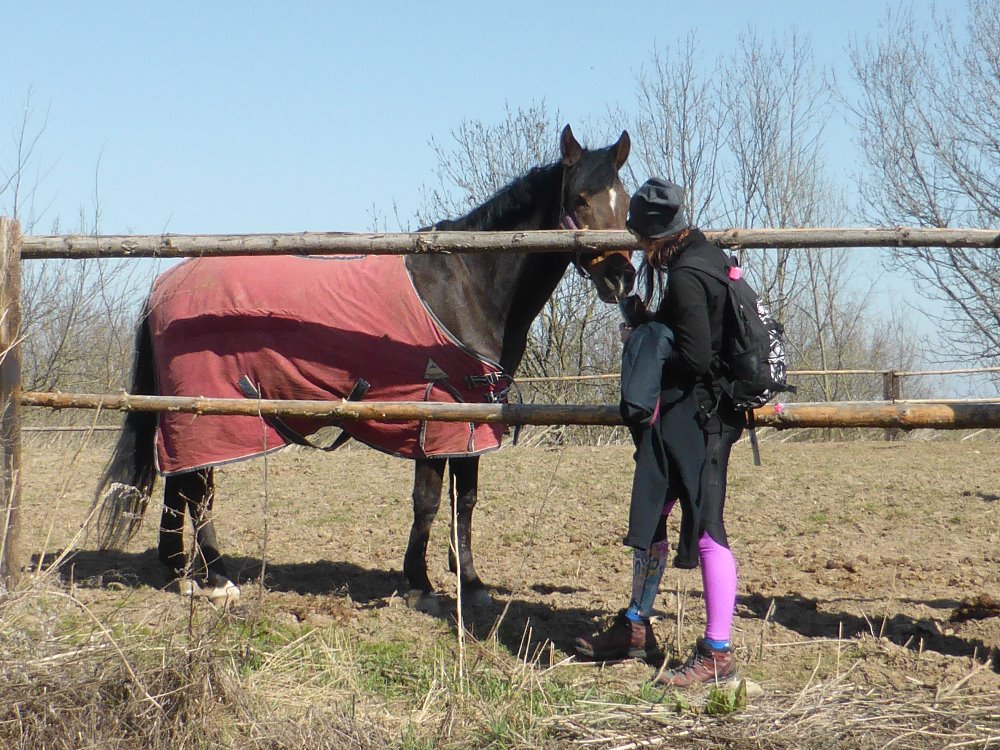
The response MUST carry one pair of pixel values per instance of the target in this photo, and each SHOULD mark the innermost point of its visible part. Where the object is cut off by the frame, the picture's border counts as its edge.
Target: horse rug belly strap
(291, 327)
(291, 436)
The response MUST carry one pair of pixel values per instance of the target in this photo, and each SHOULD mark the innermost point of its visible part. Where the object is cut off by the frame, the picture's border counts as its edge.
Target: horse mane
(510, 205)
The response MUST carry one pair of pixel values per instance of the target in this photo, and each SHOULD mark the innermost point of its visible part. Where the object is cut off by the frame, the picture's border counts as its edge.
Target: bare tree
(482, 158)
(759, 161)
(928, 123)
(681, 129)
(77, 316)
(840, 330)
(779, 105)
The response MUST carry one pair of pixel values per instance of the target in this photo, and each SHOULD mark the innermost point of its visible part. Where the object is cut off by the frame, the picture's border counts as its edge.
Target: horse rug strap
(292, 436)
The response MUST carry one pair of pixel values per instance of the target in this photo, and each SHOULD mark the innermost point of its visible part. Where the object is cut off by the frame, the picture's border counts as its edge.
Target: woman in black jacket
(692, 307)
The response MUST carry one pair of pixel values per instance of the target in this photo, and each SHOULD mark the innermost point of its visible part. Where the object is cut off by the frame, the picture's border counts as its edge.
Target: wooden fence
(10, 416)
(401, 243)
(14, 248)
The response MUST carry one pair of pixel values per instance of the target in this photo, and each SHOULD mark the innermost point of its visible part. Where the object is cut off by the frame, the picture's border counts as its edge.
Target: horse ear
(622, 149)
(569, 147)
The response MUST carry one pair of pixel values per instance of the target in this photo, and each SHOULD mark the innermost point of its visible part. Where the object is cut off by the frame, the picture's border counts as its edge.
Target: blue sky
(226, 117)
(240, 117)
(257, 117)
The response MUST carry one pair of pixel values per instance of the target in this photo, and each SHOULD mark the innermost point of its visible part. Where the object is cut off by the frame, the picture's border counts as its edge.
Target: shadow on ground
(529, 629)
(802, 615)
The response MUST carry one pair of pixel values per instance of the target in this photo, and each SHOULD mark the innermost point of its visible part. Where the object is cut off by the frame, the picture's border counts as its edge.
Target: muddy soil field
(840, 546)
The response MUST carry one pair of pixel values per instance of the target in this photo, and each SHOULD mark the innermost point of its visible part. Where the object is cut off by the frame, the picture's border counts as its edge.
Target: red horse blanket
(307, 328)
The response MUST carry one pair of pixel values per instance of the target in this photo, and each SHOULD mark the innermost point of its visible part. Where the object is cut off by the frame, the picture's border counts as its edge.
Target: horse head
(593, 197)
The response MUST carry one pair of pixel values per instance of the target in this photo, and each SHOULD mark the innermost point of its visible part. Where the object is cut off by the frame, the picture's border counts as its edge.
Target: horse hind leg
(196, 491)
(428, 478)
(209, 564)
(465, 482)
(171, 537)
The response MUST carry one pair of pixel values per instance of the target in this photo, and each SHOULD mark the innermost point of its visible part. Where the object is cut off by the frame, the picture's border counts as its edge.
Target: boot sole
(723, 683)
(617, 655)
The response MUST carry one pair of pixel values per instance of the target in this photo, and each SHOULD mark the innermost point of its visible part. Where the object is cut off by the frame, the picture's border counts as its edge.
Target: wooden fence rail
(940, 415)
(790, 373)
(400, 243)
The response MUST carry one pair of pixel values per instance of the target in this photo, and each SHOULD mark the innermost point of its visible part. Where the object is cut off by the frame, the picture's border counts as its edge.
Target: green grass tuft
(725, 700)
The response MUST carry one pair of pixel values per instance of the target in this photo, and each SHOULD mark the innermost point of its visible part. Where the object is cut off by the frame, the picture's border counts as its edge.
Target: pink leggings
(718, 576)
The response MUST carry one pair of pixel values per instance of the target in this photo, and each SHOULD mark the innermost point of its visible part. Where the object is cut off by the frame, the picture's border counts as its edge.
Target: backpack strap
(752, 431)
(707, 266)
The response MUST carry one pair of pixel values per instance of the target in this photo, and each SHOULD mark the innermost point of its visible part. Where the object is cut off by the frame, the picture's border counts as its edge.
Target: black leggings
(718, 446)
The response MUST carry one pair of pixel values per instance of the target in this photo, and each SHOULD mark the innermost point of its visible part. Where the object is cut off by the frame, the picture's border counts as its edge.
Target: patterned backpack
(752, 366)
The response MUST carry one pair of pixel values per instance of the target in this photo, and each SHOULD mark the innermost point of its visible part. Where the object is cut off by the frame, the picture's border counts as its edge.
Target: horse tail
(127, 482)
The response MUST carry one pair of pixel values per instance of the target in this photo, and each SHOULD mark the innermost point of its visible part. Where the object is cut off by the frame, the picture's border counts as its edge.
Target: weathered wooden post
(892, 390)
(10, 403)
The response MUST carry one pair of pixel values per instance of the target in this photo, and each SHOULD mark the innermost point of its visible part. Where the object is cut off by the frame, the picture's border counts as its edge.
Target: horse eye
(580, 202)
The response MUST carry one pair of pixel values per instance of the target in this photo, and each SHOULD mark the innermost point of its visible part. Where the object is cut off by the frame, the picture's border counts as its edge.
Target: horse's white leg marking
(223, 596)
(428, 603)
(220, 596)
(480, 598)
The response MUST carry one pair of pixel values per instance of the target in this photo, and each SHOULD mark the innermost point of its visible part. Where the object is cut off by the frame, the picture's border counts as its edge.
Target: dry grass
(93, 655)
(175, 676)
(837, 713)
(159, 678)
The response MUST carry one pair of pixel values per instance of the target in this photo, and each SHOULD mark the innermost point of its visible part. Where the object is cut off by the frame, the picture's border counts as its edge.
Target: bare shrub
(928, 123)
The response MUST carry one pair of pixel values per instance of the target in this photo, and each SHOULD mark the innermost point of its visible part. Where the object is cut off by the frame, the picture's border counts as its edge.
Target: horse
(479, 304)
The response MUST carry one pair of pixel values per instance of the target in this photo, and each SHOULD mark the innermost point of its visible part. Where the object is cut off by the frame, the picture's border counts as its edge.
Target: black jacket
(644, 356)
(693, 308)
(670, 450)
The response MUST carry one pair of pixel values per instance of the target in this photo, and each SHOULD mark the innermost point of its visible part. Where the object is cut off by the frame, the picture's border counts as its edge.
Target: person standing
(683, 453)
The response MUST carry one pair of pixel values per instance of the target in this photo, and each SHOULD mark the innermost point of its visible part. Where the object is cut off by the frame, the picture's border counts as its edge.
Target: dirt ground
(840, 546)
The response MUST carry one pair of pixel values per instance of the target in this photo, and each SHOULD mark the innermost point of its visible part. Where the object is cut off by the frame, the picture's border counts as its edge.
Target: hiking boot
(623, 639)
(706, 664)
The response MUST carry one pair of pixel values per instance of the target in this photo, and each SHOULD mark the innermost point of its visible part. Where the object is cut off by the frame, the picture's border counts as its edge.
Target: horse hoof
(187, 586)
(424, 601)
(223, 596)
(478, 598)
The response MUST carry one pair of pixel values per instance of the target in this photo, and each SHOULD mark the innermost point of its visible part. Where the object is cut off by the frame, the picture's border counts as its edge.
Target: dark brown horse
(486, 302)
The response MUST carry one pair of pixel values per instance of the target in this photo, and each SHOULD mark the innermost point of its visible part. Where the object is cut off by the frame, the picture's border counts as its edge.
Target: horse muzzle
(613, 278)
(612, 273)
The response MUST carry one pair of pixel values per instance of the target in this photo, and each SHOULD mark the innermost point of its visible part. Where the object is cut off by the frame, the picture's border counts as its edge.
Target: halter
(566, 221)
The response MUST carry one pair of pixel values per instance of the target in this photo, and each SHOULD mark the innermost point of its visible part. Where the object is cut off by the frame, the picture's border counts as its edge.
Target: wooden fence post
(10, 402)
(892, 390)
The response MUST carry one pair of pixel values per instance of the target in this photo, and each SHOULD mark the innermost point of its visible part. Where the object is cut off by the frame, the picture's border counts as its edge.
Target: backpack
(751, 365)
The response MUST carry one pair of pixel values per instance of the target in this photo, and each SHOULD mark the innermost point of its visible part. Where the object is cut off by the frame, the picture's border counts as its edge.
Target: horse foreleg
(428, 477)
(465, 475)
